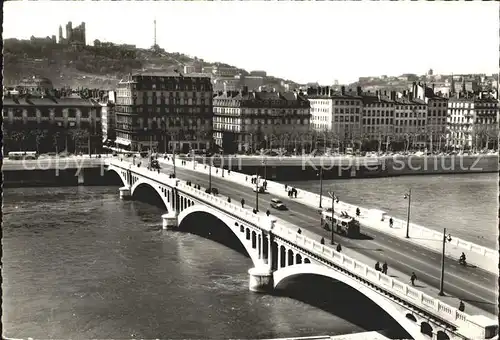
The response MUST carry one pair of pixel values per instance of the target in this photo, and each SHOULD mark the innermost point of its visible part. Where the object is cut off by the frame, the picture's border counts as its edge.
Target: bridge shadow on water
(210, 227)
(147, 194)
(343, 301)
(112, 178)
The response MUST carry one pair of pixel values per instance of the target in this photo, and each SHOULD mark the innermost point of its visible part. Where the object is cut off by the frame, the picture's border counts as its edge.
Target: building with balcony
(437, 105)
(55, 116)
(472, 122)
(378, 118)
(410, 118)
(164, 112)
(248, 120)
(336, 115)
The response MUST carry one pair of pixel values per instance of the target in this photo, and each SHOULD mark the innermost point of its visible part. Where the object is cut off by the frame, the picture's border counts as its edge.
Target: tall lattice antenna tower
(154, 33)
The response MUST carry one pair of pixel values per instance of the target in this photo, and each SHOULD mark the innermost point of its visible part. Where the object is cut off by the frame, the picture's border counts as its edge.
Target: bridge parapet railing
(397, 288)
(313, 199)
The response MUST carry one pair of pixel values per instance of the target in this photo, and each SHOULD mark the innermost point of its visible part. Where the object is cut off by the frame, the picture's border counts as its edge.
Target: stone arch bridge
(278, 254)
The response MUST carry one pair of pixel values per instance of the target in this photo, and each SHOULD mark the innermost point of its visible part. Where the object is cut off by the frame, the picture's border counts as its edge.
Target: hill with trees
(98, 66)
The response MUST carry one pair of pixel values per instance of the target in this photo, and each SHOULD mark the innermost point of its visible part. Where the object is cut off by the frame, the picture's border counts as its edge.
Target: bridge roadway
(475, 286)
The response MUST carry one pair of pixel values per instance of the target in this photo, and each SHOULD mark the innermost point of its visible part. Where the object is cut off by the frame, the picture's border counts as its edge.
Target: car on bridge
(278, 204)
(261, 189)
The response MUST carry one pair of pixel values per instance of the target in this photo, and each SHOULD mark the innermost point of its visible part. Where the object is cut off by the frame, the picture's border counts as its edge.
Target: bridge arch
(243, 237)
(118, 172)
(426, 328)
(284, 274)
(162, 191)
(440, 335)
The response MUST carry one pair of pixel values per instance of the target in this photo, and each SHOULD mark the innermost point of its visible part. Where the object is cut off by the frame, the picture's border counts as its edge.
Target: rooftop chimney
(342, 90)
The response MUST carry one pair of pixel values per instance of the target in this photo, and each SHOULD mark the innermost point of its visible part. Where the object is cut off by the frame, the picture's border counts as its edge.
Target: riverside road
(473, 285)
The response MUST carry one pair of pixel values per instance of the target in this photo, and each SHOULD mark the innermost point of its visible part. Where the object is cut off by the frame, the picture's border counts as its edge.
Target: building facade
(248, 120)
(472, 122)
(164, 112)
(437, 105)
(336, 115)
(410, 118)
(74, 124)
(378, 119)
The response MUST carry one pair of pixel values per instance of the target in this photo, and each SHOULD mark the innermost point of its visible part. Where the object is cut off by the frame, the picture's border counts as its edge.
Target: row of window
(471, 105)
(58, 112)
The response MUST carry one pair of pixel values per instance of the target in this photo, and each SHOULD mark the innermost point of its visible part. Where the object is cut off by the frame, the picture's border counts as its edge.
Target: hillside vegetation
(86, 66)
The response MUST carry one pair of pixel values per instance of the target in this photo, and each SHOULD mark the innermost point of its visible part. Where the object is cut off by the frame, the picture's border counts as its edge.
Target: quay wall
(36, 173)
(307, 168)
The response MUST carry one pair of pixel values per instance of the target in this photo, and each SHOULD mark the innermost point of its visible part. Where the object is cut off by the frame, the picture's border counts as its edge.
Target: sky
(302, 41)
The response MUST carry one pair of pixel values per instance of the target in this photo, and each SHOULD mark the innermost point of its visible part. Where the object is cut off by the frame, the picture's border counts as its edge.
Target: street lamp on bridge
(446, 238)
(334, 198)
(320, 186)
(257, 189)
(408, 197)
(264, 162)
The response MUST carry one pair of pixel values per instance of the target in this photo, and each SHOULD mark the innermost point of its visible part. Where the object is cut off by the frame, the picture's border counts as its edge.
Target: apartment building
(164, 112)
(249, 120)
(472, 121)
(54, 116)
(378, 117)
(437, 105)
(410, 117)
(336, 115)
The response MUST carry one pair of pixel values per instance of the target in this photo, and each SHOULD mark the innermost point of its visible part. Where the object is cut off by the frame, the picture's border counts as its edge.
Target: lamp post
(265, 168)
(332, 195)
(320, 186)
(173, 157)
(210, 174)
(222, 163)
(408, 196)
(257, 189)
(446, 238)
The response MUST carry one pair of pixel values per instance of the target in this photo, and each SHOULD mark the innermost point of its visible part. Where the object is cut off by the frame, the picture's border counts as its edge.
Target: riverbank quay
(305, 167)
(353, 336)
(54, 171)
(477, 255)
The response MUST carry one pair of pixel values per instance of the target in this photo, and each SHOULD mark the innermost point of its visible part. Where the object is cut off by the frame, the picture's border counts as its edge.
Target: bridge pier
(81, 177)
(125, 193)
(169, 220)
(260, 280)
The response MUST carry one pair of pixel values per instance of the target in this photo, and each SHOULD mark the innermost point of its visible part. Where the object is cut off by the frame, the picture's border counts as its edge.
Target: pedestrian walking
(286, 187)
(391, 222)
(268, 213)
(299, 231)
(384, 268)
(377, 266)
(339, 248)
(413, 277)
(322, 240)
(242, 203)
(461, 306)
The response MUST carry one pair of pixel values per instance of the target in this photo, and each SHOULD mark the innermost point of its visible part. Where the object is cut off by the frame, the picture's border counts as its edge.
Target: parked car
(278, 204)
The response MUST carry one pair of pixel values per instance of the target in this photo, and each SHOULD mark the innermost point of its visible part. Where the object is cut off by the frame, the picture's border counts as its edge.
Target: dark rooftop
(36, 101)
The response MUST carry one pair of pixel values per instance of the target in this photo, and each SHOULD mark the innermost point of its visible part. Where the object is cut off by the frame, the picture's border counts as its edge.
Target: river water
(79, 263)
(465, 204)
